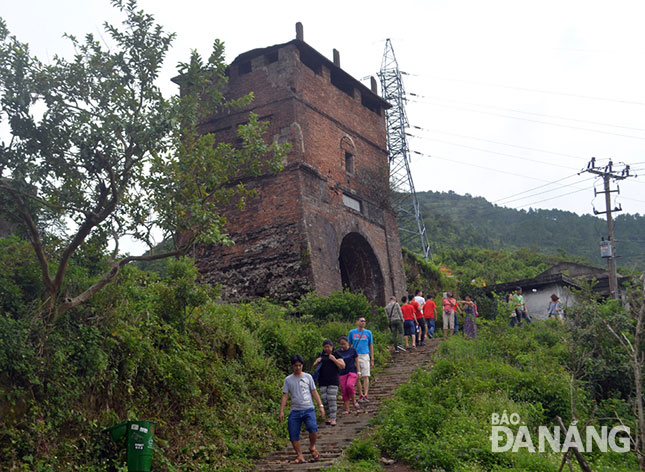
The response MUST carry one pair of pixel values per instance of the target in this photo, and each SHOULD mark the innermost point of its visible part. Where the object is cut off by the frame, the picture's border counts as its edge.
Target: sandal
(315, 455)
(357, 406)
(332, 423)
(346, 412)
(298, 460)
(328, 422)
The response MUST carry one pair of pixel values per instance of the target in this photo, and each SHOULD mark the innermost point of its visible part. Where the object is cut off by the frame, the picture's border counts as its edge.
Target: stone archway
(360, 270)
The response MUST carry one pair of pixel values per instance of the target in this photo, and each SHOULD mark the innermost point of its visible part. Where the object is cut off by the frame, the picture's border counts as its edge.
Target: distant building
(324, 222)
(559, 279)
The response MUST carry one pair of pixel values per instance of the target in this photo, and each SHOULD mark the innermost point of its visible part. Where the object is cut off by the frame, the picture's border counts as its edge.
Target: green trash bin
(139, 437)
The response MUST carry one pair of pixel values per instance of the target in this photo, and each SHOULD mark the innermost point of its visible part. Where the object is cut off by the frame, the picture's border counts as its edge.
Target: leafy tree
(96, 151)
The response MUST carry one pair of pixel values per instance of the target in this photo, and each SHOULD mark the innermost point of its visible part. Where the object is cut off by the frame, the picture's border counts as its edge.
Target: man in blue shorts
(300, 385)
(361, 339)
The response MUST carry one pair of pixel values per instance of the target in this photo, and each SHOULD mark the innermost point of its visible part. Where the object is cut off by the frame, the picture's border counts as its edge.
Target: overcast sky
(509, 96)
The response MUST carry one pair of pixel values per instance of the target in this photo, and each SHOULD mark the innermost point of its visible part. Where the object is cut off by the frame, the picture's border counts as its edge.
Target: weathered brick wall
(269, 257)
(288, 239)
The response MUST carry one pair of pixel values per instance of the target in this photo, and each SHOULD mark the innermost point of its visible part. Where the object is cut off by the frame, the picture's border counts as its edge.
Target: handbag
(316, 374)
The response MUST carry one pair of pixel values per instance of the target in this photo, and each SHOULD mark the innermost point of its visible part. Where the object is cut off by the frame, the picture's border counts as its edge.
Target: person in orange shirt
(409, 322)
(430, 314)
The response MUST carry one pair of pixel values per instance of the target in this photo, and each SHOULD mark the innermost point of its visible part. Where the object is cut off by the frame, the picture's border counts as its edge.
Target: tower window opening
(342, 82)
(370, 104)
(349, 162)
(311, 62)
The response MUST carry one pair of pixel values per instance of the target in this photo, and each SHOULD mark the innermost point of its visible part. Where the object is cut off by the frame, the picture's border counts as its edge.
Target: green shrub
(20, 276)
(338, 306)
(363, 450)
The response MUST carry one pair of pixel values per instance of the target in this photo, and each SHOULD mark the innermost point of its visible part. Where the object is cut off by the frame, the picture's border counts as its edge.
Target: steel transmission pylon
(412, 229)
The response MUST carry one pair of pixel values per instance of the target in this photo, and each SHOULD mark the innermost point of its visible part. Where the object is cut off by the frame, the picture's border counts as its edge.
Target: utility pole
(412, 229)
(608, 174)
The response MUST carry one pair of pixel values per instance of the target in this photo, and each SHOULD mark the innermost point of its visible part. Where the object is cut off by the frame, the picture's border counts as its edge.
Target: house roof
(566, 274)
(573, 269)
(536, 282)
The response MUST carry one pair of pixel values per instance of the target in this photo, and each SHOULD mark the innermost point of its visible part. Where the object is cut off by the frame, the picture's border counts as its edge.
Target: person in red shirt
(430, 314)
(417, 316)
(409, 321)
(423, 329)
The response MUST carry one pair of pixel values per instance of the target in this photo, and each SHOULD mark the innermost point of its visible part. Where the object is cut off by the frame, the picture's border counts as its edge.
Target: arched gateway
(359, 268)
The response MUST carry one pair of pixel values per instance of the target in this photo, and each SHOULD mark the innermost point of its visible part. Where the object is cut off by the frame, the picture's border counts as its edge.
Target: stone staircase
(333, 439)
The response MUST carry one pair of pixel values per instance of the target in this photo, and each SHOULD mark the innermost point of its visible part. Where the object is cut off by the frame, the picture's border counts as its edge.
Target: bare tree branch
(70, 303)
(584, 465)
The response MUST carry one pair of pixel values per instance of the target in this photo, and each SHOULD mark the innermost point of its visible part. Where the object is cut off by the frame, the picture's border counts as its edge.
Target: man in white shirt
(418, 297)
(300, 385)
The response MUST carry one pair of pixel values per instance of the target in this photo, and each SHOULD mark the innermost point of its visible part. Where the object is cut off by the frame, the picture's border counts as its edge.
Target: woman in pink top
(449, 308)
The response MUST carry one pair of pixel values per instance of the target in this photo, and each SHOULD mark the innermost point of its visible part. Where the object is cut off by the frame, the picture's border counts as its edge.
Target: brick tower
(324, 222)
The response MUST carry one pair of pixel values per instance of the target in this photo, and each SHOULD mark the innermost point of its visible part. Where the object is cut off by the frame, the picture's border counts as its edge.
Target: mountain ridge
(456, 221)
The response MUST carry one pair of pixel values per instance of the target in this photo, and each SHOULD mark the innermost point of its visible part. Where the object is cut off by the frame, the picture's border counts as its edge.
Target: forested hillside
(461, 221)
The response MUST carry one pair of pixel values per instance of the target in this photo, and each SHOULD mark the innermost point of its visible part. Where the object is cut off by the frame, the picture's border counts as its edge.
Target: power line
(491, 169)
(538, 187)
(516, 175)
(553, 198)
(547, 191)
(531, 120)
(428, 130)
(632, 199)
(434, 156)
(551, 92)
(515, 156)
(528, 112)
(512, 156)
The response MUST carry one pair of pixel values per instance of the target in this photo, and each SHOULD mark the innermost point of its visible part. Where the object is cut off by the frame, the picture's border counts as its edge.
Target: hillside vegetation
(166, 349)
(459, 222)
(162, 349)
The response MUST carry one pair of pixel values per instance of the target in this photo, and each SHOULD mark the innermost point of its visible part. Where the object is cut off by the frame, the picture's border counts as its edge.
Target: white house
(559, 279)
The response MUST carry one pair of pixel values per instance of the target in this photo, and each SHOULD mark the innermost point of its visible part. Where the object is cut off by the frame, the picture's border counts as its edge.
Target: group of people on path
(334, 369)
(415, 318)
(349, 365)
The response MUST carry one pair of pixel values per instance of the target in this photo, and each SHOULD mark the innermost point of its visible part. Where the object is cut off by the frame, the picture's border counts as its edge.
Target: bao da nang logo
(603, 439)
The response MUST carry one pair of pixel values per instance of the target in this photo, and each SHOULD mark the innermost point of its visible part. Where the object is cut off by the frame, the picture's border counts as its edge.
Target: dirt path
(332, 440)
